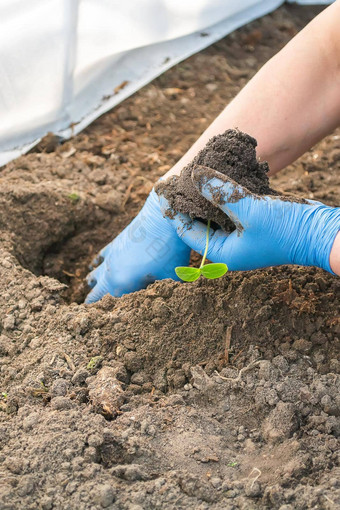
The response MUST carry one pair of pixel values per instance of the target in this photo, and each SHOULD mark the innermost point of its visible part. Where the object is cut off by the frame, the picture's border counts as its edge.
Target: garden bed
(213, 395)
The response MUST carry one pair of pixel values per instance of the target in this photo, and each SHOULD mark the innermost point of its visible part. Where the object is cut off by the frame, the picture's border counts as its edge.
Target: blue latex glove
(269, 231)
(148, 249)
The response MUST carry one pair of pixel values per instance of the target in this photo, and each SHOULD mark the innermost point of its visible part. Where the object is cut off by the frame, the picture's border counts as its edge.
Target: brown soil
(215, 395)
(233, 154)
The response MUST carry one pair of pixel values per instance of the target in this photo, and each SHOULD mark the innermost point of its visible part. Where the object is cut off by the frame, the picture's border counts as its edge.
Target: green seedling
(4, 395)
(210, 271)
(74, 197)
(94, 363)
(232, 464)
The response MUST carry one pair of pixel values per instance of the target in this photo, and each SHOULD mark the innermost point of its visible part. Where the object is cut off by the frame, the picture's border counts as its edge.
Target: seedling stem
(206, 245)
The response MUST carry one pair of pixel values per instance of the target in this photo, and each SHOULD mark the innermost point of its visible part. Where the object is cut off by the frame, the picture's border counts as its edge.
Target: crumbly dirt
(233, 154)
(217, 395)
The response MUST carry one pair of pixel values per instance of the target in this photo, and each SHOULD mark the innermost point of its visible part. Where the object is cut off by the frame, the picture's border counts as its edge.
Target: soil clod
(233, 154)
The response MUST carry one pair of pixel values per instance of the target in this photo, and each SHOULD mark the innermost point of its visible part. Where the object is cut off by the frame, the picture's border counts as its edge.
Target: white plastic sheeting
(65, 62)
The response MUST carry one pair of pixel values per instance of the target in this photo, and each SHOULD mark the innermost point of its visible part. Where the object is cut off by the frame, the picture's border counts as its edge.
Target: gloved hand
(269, 231)
(148, 249)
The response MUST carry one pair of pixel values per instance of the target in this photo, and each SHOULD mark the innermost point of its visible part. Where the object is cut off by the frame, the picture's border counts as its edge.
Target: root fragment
(241, 372)
(259, 473)
(227, 343)
(68, 361)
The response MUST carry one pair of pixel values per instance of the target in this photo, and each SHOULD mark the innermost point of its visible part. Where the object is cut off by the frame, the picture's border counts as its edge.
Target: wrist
(322, 229)
(334, 258)
(151, 209)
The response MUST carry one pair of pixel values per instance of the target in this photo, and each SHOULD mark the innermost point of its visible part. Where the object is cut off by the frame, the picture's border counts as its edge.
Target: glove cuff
(323, 231)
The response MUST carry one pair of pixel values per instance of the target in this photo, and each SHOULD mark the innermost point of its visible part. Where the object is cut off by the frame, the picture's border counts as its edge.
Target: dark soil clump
(232, 153)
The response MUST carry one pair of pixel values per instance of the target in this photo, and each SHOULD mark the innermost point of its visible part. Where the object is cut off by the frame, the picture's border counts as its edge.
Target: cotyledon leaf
(213, 271)
(188, 274)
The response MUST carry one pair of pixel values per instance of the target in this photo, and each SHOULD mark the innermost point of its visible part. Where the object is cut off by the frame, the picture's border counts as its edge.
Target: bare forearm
(292, 102)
